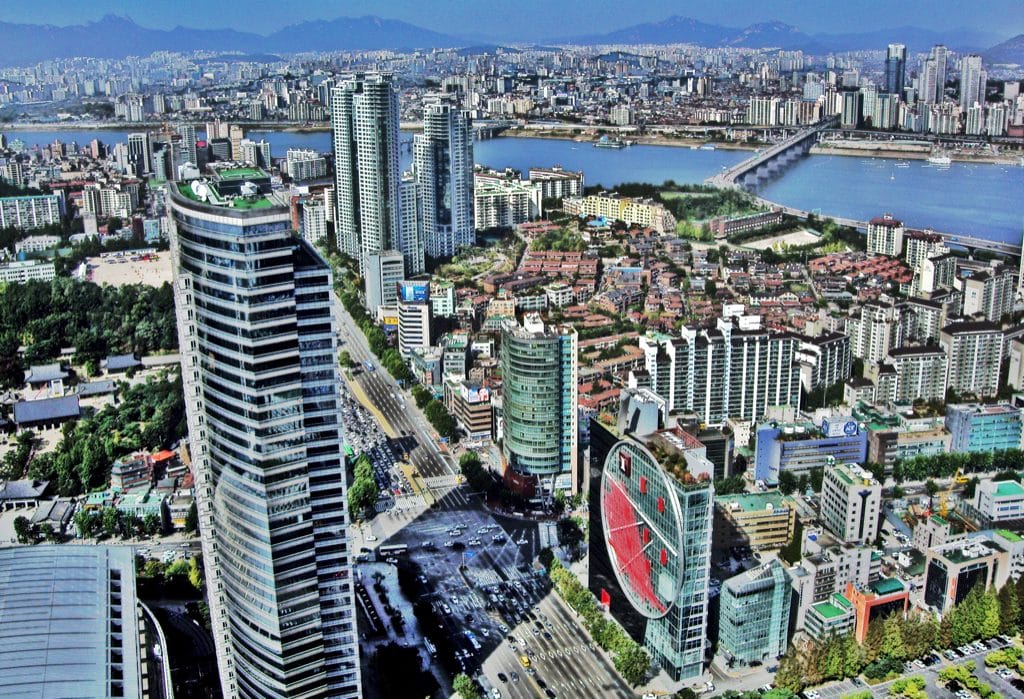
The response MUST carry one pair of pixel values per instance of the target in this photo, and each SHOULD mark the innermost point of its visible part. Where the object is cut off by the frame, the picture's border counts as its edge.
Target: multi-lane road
(387, 398)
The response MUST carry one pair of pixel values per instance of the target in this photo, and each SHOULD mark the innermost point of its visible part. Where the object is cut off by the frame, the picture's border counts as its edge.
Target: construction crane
(958, 479)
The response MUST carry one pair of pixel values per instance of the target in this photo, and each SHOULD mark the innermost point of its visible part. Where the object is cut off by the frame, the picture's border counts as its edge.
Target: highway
(403, 425)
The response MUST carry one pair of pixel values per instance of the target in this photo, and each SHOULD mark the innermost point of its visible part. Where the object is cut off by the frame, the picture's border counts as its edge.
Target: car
(483, 530)
(524, 661)
(919, 663)
(550, 693)
(495, 693)
(763, 690)
(392, 560)
(498, 538)
(475, 542)
(531, 672)
(503, 677)
(449, 543)
(515, 676)
(547, 636)
(454, 532)
(541, 683)
(370, 537)
(504, 629)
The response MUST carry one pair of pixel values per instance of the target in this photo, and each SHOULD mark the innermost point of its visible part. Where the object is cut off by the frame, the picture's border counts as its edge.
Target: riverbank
(158, 125)
(636, 140)
(896, 151)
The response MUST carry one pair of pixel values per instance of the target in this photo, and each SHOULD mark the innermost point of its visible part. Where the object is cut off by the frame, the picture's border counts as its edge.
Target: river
(982, 200)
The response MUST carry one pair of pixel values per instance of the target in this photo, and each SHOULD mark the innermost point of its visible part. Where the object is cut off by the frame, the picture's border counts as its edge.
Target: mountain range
(116, 37)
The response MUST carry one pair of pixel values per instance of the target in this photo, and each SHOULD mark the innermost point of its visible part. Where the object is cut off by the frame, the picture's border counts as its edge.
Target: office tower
(992, 427)
(411, 226)
(651, 528)
(896, 69)
(972, 81)
(737, 369)
(539, 397)
(413, 316)
(364, 119)
(443, 169)
(851, 503)
(261, 383)
(138, 152)
(188, 143)
(952, 570)
(753, 615)
(71, 624)
(384, 271)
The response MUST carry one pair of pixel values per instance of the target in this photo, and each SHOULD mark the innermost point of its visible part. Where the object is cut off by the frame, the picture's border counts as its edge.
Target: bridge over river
(771, 161)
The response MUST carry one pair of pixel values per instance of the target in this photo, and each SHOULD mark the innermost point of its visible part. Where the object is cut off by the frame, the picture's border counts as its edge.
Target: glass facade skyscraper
(261, 386)
(896, 69)
(539, 401)
(656, 528)
(753, 614)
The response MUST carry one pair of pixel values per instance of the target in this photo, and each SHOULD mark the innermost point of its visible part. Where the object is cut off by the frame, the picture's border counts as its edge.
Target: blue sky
(537, 19)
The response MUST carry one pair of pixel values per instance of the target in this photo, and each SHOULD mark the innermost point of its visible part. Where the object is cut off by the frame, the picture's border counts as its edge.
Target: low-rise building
(762, 521)
(975, 427)
(21, 271)
(876, 600)
(953, 570)
(470, 405)
(999, 501)
(800, 447)
(832, 617)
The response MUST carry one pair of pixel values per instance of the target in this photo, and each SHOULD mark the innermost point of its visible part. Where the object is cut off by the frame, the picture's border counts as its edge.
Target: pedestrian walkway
(446, 481)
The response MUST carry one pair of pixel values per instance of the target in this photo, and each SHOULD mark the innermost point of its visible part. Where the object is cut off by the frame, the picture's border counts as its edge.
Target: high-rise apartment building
(258, 360)
(896, 69)
(188, 143)
(932, 80)
(885, 236)
(729, 371)
(753, 614)
(851, 503)
(972, 81)
(991, 292)
(974, 351)
(314, 220)
(539, 371)
(443, 170)
(872, 331)
(411, 227)
(364, 119)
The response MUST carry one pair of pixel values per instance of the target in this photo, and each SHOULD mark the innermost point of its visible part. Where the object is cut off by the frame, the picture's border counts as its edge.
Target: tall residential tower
(443, 169)
(261, 387)
(364, 119)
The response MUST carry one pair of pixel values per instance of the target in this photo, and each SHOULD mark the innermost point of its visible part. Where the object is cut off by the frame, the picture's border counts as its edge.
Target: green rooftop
(241, 173)
(1008, 535)
(842, 601)
(886, 586)
(1009, 489)
(215, 199)
(828, 610)
(940, 520)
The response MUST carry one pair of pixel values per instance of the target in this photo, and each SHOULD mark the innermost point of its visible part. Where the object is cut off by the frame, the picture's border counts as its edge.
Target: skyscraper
(188, 143)
(539, 402)
(932, 81)
(138, 152)
(972, 81)
(443, 169)
(364, 119)
(261, 382)
(896, 69)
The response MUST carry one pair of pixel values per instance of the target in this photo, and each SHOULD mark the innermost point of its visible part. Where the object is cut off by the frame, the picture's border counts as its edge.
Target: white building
(851, 503)
(443, 170)
(27, 270)
(314, 220)
(305, 164)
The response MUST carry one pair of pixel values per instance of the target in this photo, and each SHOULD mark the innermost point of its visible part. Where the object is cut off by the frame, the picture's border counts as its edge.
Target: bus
(431, 648)
(393, 550)
(368, 365)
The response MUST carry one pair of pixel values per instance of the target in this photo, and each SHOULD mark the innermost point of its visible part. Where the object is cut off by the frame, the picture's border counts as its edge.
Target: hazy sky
(535, 19)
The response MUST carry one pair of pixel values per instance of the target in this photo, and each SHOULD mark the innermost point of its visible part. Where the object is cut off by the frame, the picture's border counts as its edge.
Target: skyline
(532, 20)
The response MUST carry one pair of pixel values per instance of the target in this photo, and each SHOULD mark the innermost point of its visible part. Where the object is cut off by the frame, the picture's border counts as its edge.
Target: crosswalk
(446, 481)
